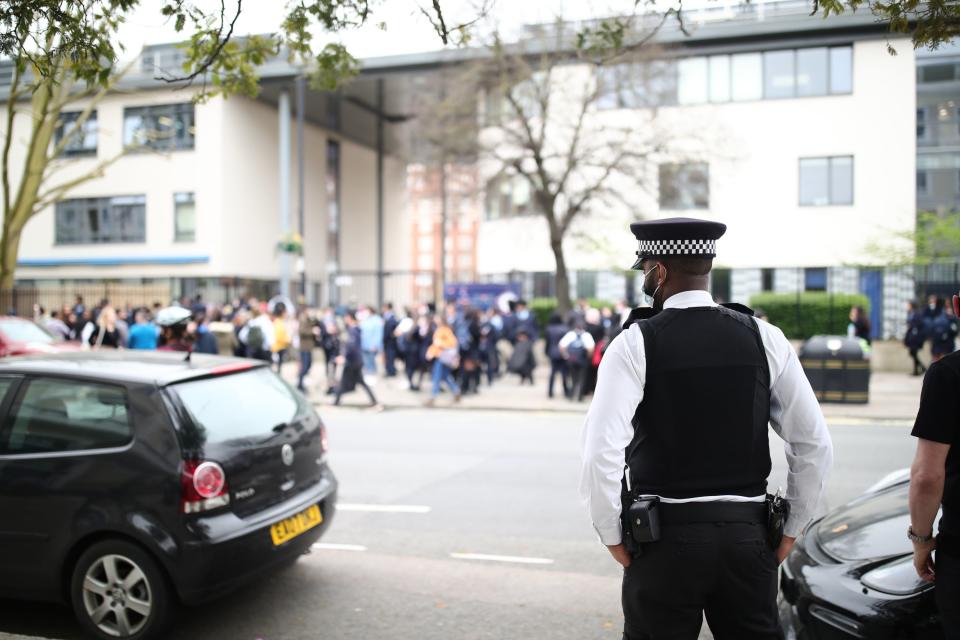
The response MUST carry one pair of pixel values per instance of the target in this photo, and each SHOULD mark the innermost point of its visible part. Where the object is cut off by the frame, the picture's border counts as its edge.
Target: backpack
(577, 351)
(255, 338)
(464, 339)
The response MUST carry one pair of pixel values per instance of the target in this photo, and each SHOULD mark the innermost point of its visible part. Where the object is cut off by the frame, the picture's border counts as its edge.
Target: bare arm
(926, 491)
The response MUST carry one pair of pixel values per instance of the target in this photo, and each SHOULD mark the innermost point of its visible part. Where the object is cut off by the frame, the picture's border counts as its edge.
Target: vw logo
(286, 454)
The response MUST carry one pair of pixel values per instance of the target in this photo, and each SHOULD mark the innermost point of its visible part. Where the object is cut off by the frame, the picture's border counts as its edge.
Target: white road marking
(329, 546)
(383, 508)
(490, 558)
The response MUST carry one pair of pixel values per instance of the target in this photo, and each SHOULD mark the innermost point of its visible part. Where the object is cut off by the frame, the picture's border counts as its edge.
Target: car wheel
(118, 591)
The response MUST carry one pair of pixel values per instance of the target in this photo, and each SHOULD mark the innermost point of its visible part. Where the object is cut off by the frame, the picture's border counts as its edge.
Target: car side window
(56, 415)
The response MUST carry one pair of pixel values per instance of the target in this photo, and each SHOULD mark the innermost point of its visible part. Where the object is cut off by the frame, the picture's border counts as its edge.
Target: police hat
(676, 237)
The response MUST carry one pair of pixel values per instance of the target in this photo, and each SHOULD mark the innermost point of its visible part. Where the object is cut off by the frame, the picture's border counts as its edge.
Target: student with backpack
(577, 348)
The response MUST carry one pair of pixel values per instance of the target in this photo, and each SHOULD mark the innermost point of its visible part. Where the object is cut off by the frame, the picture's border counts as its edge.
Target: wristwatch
(918, 538)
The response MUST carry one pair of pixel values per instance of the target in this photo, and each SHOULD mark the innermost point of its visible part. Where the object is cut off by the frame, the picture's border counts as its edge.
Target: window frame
(829, 203)
(60, 127)
(176, 202)
(153, 109)
(14, 398)
(100, 208)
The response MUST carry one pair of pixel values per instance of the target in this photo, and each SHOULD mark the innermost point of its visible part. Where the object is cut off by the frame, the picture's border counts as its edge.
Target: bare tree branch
(222, 41)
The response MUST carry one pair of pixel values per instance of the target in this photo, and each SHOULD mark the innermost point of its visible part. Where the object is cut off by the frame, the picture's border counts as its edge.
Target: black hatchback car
(130, 482)
(851, 575)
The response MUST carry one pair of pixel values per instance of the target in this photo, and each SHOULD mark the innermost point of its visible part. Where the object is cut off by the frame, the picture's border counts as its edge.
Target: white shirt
(794, 415)
(570, 336)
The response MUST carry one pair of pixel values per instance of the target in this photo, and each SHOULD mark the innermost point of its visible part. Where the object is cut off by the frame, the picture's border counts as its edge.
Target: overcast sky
(407, 30)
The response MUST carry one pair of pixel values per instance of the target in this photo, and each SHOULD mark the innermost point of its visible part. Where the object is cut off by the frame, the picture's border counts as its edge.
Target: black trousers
(725, 571)
(947, 591)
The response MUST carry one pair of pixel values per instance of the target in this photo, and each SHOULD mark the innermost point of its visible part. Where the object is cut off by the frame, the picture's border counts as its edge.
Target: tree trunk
(562, 279)
(9, 247)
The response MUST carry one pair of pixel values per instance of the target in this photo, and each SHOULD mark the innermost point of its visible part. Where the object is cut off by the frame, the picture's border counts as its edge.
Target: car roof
(114, 365)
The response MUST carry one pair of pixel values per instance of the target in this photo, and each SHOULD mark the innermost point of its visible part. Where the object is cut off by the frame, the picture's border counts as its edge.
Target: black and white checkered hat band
(678, 248)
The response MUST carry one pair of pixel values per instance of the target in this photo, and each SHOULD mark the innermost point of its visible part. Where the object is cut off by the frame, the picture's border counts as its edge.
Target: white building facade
(193, 204)
(802, 142)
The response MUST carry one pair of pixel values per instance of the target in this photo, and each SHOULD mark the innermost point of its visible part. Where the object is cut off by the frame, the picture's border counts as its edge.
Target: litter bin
(838, 368)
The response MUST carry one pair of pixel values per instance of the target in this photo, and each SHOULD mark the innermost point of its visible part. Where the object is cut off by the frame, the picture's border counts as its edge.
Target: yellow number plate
(292, 527)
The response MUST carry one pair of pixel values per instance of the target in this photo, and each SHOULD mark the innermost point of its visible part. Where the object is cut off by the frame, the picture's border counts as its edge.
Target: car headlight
(897, 578)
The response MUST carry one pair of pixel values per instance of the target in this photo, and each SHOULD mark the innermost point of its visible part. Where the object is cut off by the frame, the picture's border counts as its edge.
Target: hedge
(808, 314)
(543, 308)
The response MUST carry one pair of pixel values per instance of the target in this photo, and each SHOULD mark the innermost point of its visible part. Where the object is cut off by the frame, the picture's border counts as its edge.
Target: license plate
(292, 527)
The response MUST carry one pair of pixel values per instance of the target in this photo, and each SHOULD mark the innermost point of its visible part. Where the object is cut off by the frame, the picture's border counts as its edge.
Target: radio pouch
(778, 510)
(643, 517)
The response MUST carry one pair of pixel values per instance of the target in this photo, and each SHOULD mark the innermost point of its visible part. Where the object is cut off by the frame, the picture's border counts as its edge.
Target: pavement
(894, 397)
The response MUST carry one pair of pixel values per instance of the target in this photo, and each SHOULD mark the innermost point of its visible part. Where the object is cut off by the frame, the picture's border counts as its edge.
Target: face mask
(523, 314)
(650, 299)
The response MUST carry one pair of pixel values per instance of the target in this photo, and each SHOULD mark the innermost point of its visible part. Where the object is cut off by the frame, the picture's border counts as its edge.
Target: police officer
(678, 426)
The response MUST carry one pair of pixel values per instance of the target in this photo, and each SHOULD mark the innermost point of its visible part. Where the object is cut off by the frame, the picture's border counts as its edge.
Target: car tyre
(119, 592)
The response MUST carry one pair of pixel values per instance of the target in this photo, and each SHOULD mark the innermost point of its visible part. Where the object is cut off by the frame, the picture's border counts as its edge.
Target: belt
(704, 512)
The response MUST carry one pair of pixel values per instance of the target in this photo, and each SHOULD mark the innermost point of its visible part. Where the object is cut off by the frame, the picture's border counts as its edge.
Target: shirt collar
(687, 299)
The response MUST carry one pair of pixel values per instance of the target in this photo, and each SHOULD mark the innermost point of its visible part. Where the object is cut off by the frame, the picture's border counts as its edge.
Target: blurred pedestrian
(281, 335)
(468, 338)
(555, 332)
(444, 354)
(203, 339)
(914, 337)
(351, 361)
(329, 342)
(257, 335)
(577, 348)
(371, 332)
(306, 341)
(174, 335)
(859, 325)
(522, 361)
(105, 333)
(390, 354)
(942, 329)
(143, 333)
(57, 326)
(489, 337)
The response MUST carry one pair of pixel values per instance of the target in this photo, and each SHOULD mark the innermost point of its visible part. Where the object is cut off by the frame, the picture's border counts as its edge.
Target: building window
(943, 72)
(101, 220)
(508, 196)
(779, 74)
(685, 186)
(747, 76)
(160, 127)
(826, 181)
(720, 79)
(841, 70)
(184, 218)
(83, 141)
(922, 125)
(922, 184)
(766, 279)
(632, 86)
(692, 81)
(812, 71)
(815, 279)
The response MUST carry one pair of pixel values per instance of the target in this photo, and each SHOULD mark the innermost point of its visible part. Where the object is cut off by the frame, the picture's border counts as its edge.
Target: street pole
(380, 152)
(301, 261)
(283, 108)
(443, 229)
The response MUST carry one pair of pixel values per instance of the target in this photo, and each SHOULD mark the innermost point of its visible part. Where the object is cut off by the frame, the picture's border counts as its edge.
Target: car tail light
(203, 486)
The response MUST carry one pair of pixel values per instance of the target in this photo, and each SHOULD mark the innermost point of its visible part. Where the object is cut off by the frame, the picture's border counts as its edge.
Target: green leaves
(335, 66)
(930, 23)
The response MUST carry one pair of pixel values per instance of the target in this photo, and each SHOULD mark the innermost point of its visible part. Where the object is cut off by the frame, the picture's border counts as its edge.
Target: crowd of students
(457, 347)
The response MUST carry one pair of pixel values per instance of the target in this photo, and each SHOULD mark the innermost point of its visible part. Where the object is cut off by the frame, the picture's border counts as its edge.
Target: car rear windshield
(24, 331)
(240, 405)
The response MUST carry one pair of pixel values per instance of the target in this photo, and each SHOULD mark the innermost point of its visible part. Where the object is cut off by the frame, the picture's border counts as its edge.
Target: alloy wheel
(117, 596)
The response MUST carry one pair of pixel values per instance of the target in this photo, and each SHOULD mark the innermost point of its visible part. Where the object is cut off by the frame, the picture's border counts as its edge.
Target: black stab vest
(701, 428)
